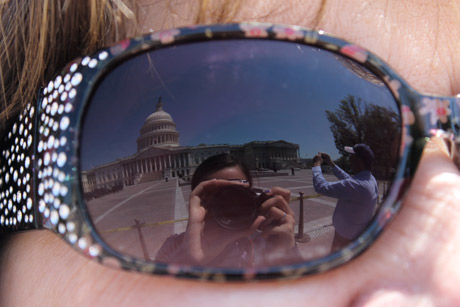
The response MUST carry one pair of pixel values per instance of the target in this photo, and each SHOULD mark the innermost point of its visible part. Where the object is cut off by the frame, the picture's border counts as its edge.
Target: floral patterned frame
(40, 185)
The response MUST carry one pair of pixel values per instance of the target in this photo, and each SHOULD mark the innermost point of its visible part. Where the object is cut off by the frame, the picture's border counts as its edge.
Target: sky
(224, 92)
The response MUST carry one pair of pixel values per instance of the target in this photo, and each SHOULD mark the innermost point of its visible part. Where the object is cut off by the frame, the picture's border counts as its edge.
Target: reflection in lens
(234, 207)
(272, 106)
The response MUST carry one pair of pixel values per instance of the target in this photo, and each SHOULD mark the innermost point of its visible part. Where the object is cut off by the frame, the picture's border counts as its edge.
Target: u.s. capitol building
(160, 156)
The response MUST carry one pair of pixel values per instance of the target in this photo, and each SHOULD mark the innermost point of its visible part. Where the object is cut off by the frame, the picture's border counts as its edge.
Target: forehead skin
(416, 37)
(415, 262)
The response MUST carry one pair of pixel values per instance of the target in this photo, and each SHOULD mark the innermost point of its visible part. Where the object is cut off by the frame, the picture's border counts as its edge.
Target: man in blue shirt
(356, 195)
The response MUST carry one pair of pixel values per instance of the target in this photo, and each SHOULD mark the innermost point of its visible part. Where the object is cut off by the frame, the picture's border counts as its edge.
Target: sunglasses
(105, 157)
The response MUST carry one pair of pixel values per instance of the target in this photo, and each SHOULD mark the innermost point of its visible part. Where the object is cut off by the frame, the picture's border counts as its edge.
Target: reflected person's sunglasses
(106, 156)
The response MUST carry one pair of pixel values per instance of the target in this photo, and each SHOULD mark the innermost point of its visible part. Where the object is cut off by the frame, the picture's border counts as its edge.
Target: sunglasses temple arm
(18, 211)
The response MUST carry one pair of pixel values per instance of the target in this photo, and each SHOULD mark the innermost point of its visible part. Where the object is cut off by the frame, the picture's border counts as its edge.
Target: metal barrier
(138, 226)
(301, 237)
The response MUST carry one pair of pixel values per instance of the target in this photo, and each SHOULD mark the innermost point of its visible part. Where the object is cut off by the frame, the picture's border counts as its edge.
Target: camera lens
(234, 207)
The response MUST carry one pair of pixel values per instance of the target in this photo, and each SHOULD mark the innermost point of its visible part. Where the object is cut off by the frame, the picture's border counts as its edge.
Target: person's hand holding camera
(278, 227)
(205, 238)
(327, 159)
(321, 158)
(317, 160)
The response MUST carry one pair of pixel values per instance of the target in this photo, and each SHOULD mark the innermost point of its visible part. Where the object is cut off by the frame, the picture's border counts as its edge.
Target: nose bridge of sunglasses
(456, 114)
(440, 114)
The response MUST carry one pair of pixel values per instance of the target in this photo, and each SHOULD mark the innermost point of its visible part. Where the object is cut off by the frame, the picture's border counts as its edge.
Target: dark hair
(216, 163)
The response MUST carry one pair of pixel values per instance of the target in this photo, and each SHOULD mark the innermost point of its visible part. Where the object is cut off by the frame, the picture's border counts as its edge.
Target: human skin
(414, 262)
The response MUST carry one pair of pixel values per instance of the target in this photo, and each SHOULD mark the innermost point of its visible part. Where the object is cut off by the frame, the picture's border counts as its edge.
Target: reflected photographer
(356, 195)
(232, 224)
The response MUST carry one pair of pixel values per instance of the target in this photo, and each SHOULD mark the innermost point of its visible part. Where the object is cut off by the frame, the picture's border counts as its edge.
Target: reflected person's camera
(236, 207)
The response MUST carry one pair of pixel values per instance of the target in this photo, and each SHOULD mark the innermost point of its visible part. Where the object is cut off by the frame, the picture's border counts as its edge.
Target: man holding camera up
(356, 195)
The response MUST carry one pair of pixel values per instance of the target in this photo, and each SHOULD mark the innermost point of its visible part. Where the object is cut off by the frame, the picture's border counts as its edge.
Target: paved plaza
(159, 209)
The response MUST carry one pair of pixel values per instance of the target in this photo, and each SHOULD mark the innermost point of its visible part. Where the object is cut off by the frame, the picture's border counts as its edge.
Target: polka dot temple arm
(16, 174)
(38, 158)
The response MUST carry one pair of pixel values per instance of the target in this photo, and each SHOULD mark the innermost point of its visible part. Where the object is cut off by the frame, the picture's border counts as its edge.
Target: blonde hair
(212, 11)
(38, 37)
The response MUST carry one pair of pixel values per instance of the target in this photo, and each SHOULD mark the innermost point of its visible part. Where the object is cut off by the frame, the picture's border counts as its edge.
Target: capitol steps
(148, 177)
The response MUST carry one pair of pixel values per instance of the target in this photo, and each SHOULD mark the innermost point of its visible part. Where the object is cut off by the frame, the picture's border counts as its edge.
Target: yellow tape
(185, 219)
(143, 225)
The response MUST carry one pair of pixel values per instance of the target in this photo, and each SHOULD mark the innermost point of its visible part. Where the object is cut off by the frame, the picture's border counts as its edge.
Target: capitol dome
(159, 129)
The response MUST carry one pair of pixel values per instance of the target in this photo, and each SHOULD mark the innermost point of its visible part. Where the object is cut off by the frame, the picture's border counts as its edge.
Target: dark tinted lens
(272, 105)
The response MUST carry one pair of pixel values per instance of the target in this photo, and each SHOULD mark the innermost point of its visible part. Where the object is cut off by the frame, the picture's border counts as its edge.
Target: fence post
(141, 239)
(301, 237)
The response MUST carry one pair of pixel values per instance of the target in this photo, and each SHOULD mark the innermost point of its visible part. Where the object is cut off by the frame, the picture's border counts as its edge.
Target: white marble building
(159, 156)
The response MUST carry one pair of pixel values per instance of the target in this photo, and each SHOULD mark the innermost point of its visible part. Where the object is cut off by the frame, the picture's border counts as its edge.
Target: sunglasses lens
(155, 118)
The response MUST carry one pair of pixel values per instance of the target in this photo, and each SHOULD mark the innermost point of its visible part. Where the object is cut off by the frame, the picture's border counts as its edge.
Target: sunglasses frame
(40, 186)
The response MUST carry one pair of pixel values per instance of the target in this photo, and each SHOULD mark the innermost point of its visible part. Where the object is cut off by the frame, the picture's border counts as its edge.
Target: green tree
(356, 121)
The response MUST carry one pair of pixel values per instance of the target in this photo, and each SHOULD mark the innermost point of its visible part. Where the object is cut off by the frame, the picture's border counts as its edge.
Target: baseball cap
(363, 151)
